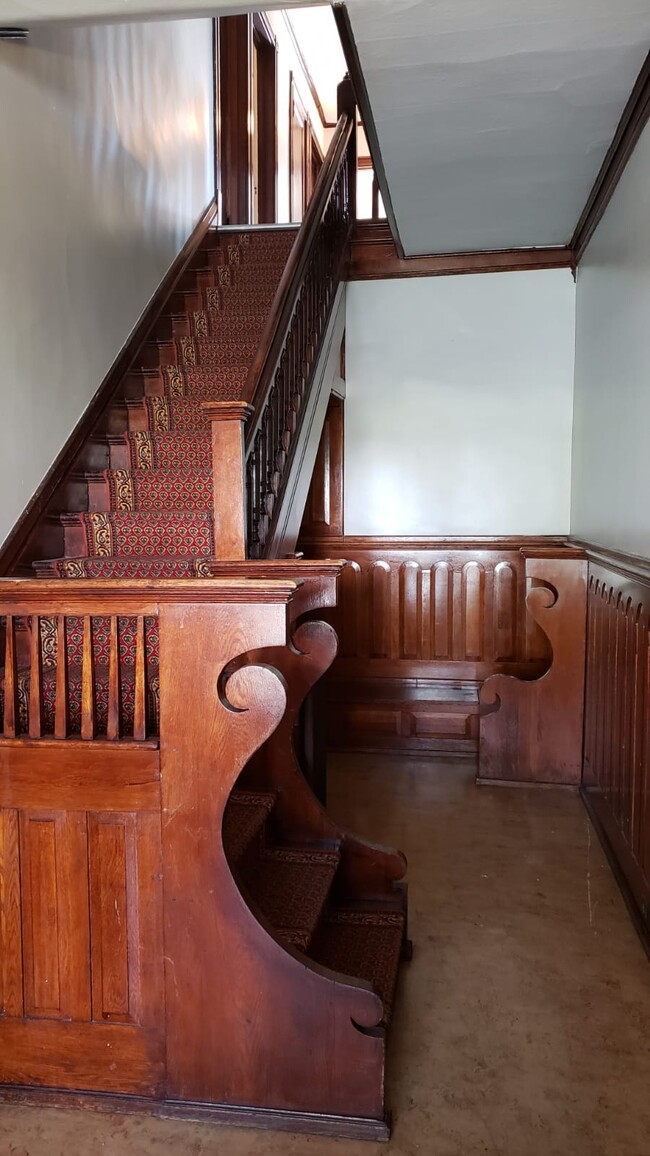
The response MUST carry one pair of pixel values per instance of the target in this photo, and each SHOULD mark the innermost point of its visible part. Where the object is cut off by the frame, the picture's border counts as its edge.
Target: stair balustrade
(184, 930)
(282, 371)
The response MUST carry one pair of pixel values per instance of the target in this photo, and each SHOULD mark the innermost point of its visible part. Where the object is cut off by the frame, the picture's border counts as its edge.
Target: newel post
(346, 102)
(228, 419)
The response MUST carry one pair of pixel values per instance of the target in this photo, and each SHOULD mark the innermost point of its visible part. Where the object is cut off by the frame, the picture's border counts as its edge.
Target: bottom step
(366, 945)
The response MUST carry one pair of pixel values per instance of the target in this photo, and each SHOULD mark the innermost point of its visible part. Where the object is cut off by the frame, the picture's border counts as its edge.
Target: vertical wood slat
(11, 945)
(35, 682)
(113, 726)
(10, 720)
(62, 709)
(140, 705)
(617, 722)
(88, 713)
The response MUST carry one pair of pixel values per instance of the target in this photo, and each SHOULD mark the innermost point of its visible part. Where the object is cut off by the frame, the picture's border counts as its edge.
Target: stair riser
(74, 539)
(99, 496)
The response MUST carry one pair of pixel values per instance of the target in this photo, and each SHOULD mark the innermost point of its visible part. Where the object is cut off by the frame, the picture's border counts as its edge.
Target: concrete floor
(523, 1023)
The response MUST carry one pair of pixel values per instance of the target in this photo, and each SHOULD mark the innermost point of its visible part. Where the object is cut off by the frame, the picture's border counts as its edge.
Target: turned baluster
(10, 721)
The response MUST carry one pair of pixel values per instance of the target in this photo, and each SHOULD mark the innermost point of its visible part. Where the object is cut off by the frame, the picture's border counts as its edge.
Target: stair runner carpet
(292, 888)
(150, 517)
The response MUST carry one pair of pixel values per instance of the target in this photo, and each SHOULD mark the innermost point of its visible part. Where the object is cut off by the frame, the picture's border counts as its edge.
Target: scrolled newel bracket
(531, 730)
(228, 419)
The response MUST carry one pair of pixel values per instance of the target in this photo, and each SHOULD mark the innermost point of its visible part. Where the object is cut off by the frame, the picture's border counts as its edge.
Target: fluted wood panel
(431, 611)
(616, 774)
(421, 624)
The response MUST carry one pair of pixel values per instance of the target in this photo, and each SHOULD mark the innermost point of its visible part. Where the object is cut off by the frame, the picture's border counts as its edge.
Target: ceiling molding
(631, 125)
(374, 257)
(351, 54)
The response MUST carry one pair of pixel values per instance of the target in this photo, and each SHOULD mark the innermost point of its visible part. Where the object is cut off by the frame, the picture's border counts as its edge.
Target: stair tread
(291, 887)
(363, 944)
(148, 533)
(131, 566)
(244, 819)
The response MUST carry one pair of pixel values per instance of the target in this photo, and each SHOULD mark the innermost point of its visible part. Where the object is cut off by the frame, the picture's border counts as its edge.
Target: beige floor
(523, 1022)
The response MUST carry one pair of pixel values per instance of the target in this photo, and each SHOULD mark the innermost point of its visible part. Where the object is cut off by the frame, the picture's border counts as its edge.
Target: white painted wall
(106, 146)
(459, 404)
(611, 457)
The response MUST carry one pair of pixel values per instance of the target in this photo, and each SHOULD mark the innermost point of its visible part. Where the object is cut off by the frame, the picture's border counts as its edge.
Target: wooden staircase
(183, 928)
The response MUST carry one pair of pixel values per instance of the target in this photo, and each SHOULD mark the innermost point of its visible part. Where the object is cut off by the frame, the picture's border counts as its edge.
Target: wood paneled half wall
(616, 771)
(421, 624)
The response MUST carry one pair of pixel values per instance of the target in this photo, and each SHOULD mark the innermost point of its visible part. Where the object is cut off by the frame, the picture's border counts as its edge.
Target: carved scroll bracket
(531, 731)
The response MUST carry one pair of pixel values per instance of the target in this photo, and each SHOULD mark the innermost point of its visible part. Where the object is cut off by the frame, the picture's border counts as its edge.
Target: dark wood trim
(339, 543)
(375, 257)
(65, 460)
(304, 1123)
(631, 125)
(236, 38)
(266, 113)
(351, 54)
(216, 115)
(629, 565)
(601, 820)
(364, 162)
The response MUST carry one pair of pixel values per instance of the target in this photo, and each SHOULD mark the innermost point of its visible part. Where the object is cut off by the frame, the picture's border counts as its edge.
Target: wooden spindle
(36, 681)
(10, 721)
(87, 682)
(114, 696)
(62, 707)
(140, 689)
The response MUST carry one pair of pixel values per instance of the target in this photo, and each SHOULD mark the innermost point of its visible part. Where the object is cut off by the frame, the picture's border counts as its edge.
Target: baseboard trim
(535, 784)
(270, 1119)
(17, 541)
(636, 914)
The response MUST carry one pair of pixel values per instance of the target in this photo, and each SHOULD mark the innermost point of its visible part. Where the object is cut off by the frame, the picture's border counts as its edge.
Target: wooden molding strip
(631, 125)
(374, 257)
(64, 462)
(351, 54)
(629, 565)
(338, 544)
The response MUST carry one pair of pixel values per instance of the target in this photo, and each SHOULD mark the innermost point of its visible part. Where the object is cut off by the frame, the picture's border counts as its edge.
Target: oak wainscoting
(422, 623)
(616, 771)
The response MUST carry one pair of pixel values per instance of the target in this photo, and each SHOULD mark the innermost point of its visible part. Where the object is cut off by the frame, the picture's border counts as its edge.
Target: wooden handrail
(281, 377)
(261, 371)
(278, 390)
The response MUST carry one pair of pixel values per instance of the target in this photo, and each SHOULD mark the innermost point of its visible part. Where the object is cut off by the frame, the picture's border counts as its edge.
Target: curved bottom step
(364, 944)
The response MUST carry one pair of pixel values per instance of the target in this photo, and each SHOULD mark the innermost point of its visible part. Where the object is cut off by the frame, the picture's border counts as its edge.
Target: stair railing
(282, 372)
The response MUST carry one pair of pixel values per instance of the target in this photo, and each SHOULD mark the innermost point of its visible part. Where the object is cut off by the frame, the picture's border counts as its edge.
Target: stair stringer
(250, 1023)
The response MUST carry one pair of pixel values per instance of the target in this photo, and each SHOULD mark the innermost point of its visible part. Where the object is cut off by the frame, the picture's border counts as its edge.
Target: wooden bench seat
(417, 715)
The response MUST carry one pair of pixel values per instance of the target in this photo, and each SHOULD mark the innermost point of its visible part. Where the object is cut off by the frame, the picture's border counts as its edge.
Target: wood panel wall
(616, 771)
(81, 976)
(420, 625)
